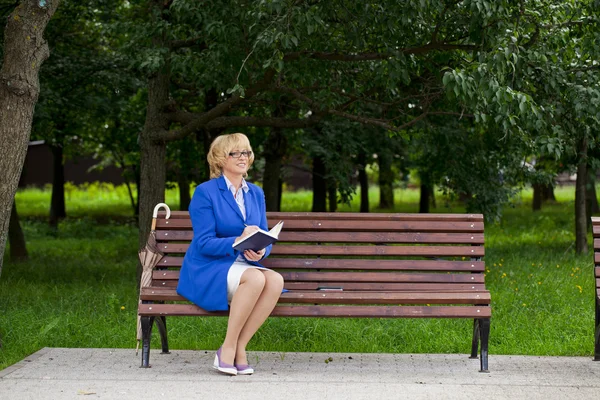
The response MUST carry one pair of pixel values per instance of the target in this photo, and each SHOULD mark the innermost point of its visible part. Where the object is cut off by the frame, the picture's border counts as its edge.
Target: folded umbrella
(149, 256)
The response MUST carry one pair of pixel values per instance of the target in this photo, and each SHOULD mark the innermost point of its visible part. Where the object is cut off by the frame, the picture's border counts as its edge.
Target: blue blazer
(217, 221)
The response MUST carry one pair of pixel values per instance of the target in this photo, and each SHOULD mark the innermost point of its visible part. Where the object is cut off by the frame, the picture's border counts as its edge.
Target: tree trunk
(363, 180)
(548, 193)
(424, 199)
(319, 186)
(591, 196)
(18, 246)
(274, 154)
(211, 100)
(581, 218)
(332, 196)
(57, 203)
(153, 155)
(25, 50)
(541, 194)
(184, 191)
(133, 199)
(537, 197)
(386, 181)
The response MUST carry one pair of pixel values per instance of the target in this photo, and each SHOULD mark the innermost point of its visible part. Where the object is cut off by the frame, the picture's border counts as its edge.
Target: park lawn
(79, 287)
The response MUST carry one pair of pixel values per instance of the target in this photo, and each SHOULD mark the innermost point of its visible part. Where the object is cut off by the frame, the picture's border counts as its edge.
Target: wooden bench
(349, 265)
(596, 230)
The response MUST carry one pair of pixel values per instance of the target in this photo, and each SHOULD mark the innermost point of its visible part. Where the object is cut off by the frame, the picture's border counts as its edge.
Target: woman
(214, 275)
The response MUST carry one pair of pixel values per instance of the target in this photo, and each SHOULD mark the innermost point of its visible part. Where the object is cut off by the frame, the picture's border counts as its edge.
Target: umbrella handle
(158, 207)
(155, 213)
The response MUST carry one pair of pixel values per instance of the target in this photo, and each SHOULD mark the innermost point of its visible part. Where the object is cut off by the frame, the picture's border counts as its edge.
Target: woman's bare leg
(262, 309)
(252, 283)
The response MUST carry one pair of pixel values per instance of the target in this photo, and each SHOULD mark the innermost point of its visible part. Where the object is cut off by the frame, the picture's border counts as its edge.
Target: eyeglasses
(238, 154)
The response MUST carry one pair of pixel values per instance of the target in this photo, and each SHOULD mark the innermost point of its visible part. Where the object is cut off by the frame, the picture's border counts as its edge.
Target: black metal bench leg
(161, 323)
(484, 325)
(475, 343)
(597, 332)
(147, 323)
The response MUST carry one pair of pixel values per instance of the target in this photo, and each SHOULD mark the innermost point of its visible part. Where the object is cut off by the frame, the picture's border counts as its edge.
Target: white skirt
(235, 274)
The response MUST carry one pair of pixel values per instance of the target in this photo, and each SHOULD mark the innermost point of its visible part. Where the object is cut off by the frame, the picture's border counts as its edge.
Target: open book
(259, 239)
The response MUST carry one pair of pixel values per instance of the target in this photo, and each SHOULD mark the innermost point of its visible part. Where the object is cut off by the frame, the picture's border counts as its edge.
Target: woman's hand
(252, 255)
(247, 231)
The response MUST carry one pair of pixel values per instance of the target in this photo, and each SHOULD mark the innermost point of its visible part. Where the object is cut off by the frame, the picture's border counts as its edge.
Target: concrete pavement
(59, 373)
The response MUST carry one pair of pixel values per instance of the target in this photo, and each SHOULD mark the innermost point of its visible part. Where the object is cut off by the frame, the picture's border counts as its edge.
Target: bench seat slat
(364, 286)
(331, 311)
(375, 277)
(392, 287)
(321, 297)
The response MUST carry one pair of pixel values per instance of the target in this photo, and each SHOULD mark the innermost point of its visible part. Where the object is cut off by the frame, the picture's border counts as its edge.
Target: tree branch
(365, 120)
(178, 44)
(220, 109)
(331, 56)
(273, 122)
(584, 21)
(584, 69)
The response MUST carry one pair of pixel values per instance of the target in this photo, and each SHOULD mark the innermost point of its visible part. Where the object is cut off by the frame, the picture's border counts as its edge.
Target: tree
(18, 246)
(24, 51)
(538, 80)
(85, 89)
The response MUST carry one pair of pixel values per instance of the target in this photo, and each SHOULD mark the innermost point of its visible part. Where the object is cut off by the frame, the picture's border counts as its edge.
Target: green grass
(78, 288)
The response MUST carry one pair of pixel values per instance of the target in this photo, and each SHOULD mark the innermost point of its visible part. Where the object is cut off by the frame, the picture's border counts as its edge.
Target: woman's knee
(274, 280)
(253, 277)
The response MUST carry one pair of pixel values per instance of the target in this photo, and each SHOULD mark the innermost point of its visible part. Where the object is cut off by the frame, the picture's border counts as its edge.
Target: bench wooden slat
(597, 269)
(422, 251)
(353, 225)
(276, 216)
(596, 230)
(381, 277)
(350, 264)
(321, 297)
(377, 264)
(332, 311)
(596, 258)
(375, 277)
(393, 287)
(363, 286)
(351, 237)
(335, 250)
(597, 244)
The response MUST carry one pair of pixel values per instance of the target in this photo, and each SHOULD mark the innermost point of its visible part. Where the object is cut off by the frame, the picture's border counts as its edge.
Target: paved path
(57, 373)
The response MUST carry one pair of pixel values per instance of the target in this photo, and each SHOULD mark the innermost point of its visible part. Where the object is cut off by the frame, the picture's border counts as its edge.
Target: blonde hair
(220, 149)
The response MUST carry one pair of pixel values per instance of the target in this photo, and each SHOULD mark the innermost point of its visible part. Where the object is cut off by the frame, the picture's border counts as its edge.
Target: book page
(276, 229)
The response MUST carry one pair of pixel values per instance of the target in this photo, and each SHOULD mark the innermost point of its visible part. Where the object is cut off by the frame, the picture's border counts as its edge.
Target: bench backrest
(356, 251)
